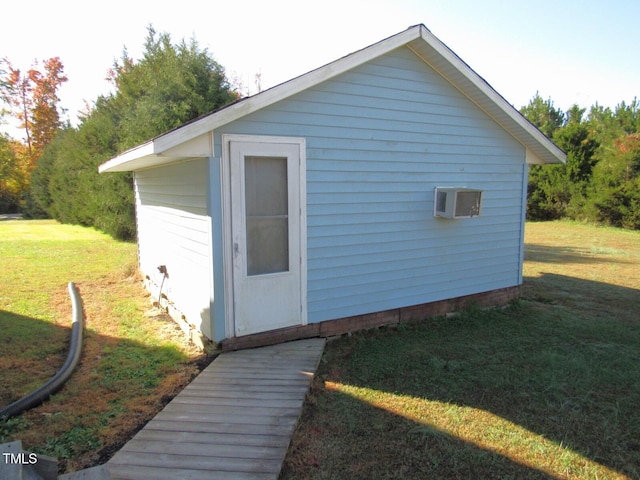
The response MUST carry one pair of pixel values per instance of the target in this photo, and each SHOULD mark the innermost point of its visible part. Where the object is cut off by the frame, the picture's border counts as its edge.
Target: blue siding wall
(380, 138)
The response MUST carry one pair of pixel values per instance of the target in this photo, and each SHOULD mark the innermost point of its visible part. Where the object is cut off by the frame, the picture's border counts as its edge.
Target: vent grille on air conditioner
(457, 202)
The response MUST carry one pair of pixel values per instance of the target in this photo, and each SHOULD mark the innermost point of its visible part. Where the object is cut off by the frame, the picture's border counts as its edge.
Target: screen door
(265, 209)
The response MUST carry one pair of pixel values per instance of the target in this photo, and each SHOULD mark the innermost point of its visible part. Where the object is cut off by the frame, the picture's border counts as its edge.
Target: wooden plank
(195, 449)
(256, 354)
(260, 361)
(252, 373)
(255, 382)
(252, 439)
(241, 374)
(249, 354)
(285, 389)
(278, 352)
(249, 371)
(212, 380)
(235, 420)
(193, 462)
(226, 398)
(101, 472)
(218, 428)
(231, 410)
(186, 416)
(261, 358)
(249, 374)
(134, 472)
(239, 401)
(238, 393)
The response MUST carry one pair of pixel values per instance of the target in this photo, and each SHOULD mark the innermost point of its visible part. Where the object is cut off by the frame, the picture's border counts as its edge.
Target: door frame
(227, 232)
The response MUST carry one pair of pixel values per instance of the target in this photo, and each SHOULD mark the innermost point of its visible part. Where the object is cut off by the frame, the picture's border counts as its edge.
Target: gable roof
(192, 139)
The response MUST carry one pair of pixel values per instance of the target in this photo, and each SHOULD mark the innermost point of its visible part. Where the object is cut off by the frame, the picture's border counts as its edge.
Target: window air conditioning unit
(457, 202)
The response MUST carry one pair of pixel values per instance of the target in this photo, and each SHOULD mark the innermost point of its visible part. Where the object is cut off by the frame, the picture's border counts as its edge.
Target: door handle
(236, 249)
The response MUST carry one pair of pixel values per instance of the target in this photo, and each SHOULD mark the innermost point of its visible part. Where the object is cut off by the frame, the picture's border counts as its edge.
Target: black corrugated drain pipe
(56, 382)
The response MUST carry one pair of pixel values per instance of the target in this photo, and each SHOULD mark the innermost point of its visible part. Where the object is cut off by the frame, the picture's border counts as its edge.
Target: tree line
(600, 181)
(54, 171)
(170, 85)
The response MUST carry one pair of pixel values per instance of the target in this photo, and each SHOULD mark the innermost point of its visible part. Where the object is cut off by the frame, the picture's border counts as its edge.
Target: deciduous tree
(170, 85)
(33, 101)
(12, 175)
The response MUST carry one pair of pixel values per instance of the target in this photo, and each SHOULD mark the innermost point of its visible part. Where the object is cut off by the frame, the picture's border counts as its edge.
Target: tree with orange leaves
(33, 100)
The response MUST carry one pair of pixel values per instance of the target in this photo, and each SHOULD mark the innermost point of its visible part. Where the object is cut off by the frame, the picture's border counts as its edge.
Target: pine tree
(170, 85)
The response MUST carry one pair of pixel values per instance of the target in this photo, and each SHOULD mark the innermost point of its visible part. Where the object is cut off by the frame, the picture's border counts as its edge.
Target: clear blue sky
(572, 51)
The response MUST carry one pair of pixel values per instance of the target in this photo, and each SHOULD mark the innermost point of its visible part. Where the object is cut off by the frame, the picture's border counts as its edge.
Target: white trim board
(417, 38)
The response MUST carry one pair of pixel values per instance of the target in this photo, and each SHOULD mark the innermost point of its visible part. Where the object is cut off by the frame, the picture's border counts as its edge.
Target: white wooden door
(266, 235)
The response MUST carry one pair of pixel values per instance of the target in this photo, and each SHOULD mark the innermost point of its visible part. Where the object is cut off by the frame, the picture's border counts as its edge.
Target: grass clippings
(546, 388)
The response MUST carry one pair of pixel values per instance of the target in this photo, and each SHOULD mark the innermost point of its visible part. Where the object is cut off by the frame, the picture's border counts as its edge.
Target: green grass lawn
(546, 388)
(131, 361)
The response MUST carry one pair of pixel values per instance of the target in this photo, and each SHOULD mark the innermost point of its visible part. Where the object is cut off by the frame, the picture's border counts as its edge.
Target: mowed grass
(547, 388)
(132, 362)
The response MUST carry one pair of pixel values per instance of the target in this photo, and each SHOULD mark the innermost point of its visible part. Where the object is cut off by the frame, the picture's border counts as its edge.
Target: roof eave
(151, 154)
(130, 161)
(286, 89)
(419, 39)
(441, 58)
(124, 161)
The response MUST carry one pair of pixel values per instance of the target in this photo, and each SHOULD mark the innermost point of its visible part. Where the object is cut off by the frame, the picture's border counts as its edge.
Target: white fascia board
(130, 160)
(470, 84)
(119, 163)
(145, 156)
(199, 146)
(418, 39)
(284, 90)
(170, 141)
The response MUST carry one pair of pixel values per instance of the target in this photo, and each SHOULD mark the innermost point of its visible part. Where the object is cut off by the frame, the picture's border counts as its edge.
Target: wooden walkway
(234, 421)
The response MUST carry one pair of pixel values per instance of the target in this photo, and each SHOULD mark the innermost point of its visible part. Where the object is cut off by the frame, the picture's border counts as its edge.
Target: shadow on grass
(112, 393)
(564, 255)
(353, 439)
(31, 351)
(570, 377)
(592, 299)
